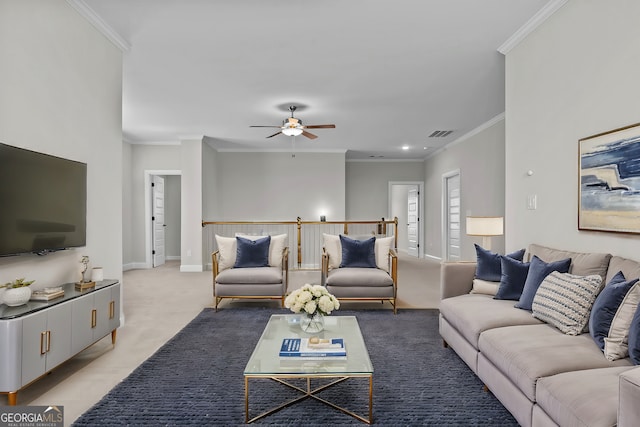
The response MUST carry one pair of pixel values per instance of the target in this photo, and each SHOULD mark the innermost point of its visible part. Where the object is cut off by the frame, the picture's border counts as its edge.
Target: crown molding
(90, 15)
(486, 125)
(533, 23)
(154, 142)
(280, 150)
(384, 160)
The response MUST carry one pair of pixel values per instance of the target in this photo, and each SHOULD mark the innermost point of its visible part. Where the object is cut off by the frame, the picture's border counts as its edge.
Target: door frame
(444, 229)
(420, 184)
(148, 224)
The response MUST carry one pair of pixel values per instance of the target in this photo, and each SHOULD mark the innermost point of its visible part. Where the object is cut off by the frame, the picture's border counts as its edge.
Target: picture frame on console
(609, 181)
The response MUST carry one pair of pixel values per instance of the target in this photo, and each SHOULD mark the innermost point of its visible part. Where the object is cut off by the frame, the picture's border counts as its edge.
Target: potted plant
(17, 292)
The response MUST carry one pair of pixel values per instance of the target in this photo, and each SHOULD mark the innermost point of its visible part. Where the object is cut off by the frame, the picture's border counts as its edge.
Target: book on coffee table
(313, 347)
(47, 294)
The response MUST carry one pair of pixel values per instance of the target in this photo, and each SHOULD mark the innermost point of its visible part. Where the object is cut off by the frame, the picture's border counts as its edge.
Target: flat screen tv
(43, 202)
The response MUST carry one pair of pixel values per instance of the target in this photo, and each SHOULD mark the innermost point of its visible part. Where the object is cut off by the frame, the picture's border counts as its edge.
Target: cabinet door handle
(43, 337)
(94, 318)
(48, 341)
(112, 309)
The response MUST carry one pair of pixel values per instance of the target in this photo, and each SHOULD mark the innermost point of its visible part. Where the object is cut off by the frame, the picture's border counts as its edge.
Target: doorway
(406, 203)
(162, 216)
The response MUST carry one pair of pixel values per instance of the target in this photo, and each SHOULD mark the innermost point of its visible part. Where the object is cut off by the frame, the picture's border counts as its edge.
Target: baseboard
(173, 258)
(190, 268)
(435, 258)
(134, 266)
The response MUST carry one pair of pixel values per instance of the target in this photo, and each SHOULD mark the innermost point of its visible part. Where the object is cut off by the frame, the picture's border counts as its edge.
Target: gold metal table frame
(308, 393)
(265, 363)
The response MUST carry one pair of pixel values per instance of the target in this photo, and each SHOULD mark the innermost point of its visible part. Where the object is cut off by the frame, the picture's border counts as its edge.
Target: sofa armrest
(324, 270)
(456, 278)
(628, 408)
(214, 264)
(285, 266)
(393, 270)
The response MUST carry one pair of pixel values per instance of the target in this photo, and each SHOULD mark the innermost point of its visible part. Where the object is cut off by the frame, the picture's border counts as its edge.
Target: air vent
(440, 133)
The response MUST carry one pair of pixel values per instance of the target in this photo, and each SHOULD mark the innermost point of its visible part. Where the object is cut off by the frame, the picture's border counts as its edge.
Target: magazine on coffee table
(313, 347)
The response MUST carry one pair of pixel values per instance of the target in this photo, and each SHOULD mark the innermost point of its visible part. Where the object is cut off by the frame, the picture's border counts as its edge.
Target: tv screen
(43, 202)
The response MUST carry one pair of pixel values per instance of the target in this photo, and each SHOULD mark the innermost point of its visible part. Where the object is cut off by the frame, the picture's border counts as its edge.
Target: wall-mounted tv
(43, 202)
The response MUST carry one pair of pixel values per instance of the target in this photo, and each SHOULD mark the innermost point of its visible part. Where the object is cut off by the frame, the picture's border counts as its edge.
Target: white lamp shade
(485, 225)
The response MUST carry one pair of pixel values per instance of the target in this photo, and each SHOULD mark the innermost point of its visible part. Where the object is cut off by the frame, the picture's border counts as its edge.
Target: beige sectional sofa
(541, 375)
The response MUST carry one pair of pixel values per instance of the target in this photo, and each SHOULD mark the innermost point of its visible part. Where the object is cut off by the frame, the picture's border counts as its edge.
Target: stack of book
(47, 294)
(313, 347)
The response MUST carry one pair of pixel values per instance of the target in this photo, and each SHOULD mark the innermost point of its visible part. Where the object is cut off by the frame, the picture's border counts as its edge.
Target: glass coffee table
(265, 362)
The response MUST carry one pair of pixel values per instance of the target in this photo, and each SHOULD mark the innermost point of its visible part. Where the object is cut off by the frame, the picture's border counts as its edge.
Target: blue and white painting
(610, 181)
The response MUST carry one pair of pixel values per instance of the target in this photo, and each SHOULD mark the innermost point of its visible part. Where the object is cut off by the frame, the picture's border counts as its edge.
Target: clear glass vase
(312, 323)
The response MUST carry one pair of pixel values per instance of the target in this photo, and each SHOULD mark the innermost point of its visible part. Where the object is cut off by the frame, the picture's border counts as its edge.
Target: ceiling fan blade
(265, 126)
(320, 127)
(277, 133)
(309, 135)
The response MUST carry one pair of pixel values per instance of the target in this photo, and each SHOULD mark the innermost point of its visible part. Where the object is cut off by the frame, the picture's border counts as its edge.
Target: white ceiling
(386, 73)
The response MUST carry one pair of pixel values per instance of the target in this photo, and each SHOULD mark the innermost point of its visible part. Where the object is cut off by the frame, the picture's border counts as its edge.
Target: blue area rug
(197, 379)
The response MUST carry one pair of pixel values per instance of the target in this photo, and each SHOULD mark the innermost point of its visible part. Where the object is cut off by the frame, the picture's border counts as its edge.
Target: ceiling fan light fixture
(290, 131)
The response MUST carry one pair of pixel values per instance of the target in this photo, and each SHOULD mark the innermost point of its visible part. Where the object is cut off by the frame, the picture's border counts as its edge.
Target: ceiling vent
(440, 133)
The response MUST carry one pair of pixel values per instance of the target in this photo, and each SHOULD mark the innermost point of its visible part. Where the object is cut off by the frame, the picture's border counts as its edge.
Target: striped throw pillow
(564, 300)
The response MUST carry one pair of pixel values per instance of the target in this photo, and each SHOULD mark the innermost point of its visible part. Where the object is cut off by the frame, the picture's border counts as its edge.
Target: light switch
(532, 201)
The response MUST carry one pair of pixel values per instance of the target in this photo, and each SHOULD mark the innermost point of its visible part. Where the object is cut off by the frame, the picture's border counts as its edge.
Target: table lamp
(485, 226)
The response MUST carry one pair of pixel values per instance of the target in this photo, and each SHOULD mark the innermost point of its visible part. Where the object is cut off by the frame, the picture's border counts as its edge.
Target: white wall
(480, 159)
(191, 206)
(61, 86)
(127, 204)
(575, 76)
(367, 184)
(279, 187)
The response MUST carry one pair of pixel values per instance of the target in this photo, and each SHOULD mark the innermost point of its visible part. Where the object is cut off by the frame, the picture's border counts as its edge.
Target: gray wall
(367, 186)
(278, 187)
(61, 86)
(480, 159)
(575, 76)
(172, 217)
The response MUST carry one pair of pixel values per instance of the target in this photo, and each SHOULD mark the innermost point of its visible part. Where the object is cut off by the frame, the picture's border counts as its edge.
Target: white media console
(40, 335)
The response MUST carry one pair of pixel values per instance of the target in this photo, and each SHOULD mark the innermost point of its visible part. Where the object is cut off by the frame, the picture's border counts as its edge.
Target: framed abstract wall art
(609, 169)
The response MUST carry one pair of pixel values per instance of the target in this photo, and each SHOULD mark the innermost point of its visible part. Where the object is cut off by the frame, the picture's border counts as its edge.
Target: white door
(157, 220)
(413, 218)
(452, 216)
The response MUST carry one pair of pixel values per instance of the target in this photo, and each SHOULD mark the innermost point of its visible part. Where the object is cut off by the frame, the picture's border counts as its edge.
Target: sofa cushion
(526, 353)
(356, 276)
(227, 249)
(382, 247)
(251, 276)
(276, 247)
(634, 338)
(582, 264)
(358, 253)
(616, 344)
(538, 271)
(565, 300)
(514, 275)
(489, 267)
(472, 314)
(606, 305)
(252, 253)
(485, 287)
(581, 398)
(630, 268)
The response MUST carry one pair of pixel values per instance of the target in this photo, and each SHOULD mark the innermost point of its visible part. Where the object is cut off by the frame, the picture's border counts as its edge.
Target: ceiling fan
(293, 127)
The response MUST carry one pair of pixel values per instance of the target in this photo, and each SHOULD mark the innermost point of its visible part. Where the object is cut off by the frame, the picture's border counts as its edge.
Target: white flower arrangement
(312, 298)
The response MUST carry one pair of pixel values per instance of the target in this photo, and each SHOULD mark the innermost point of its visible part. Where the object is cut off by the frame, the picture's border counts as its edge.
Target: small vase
(312, 323)
(14, 297)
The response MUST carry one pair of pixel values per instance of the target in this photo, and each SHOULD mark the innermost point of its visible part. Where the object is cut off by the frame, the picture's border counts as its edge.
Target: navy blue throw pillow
(514, 274)
(605, 307)
(538, 270)
(252, 253)
(634, 338)
(358, 253)
(488, 263)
